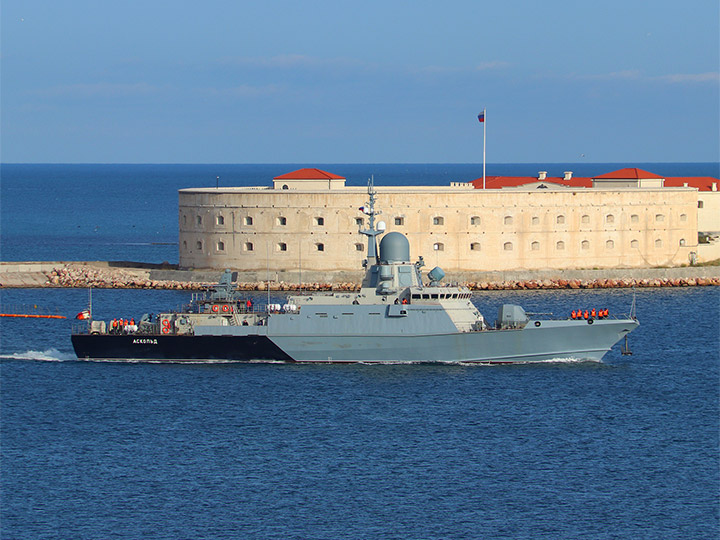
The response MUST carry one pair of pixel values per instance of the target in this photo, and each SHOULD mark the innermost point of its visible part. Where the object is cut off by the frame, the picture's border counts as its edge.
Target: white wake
(49, 355)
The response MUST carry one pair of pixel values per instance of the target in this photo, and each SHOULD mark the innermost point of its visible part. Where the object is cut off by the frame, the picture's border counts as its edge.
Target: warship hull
(538, 341)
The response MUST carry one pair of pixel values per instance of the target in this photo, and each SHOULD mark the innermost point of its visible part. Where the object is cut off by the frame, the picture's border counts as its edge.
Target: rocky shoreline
(113, 278)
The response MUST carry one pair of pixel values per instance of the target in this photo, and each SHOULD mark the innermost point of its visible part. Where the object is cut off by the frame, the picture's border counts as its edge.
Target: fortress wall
(254, 229)
(709, 214)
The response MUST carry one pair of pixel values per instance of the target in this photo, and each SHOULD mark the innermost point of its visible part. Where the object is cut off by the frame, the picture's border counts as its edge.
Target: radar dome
(394, 247)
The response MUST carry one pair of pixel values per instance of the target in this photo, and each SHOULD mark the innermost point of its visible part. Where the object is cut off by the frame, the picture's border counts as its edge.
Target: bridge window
(682, 241)
(609, 218)
(248, 246)
(358, 247)
(634, 244)
(475, 220)
(399, 221)
(535, 246)
(199, 220)
(359, 221)
(560, 245)
(248, 220)
(585, 219)
(508, 220)
(701, 204)
(658, 243)
(560, 220)
(319, 221)
(659, 217)
(535, 220)
(634, 218)
(198, 245)
(320, 247)
(281, 246)
(585, 244)
(282, 220)
(438, 220)
(507, 246)
(439, 246)
(220, 220)
(221, 246)
(609, 244)
(475, 246)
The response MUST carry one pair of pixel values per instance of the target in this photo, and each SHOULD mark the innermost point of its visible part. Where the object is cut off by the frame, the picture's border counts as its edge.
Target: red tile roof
(629, 173)
(498, 182)
(703, 183)
(309, 174)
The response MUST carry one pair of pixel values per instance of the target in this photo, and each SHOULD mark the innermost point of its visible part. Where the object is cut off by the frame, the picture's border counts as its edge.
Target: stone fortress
(308, 220)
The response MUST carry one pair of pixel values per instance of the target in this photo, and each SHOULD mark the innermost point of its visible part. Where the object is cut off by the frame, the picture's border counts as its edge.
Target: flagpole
(484, 128)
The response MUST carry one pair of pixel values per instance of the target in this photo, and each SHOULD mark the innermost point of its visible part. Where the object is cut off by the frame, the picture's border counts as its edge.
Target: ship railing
(566, 316)
(85, 327)
(542, 315)
(80, 327)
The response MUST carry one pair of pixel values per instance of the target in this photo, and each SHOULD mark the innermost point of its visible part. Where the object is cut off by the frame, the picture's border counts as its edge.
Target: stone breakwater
(107, 278)
(591, 283)
(111, 278)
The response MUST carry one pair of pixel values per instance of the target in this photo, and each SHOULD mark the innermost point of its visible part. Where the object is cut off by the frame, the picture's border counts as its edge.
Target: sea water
(624, 448)
(627, 447)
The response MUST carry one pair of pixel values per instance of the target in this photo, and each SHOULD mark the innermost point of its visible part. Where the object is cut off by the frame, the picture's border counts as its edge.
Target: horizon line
(352, 163)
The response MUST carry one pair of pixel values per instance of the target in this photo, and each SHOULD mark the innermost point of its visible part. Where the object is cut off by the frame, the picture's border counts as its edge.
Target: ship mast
(371, 232)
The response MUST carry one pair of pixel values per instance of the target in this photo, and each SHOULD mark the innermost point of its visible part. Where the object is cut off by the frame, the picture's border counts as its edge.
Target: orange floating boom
(32, 316)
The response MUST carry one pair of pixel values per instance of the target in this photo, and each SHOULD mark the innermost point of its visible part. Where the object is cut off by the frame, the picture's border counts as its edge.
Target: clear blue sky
(359, 82)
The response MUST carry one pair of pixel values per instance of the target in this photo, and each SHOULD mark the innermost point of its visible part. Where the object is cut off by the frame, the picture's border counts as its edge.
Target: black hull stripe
(177, 348)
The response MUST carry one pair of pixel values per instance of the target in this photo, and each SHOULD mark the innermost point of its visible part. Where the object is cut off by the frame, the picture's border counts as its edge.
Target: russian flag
(481, 117)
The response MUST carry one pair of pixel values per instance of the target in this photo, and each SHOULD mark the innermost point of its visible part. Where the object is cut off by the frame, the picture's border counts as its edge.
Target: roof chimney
(542, 175)
(714, 186)
(685, 184)
(568, 175)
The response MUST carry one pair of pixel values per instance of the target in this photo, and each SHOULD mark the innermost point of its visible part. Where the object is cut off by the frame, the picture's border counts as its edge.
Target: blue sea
(624, 448)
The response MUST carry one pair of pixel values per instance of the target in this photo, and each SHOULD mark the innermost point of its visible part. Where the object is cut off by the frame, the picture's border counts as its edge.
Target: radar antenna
(371, 232)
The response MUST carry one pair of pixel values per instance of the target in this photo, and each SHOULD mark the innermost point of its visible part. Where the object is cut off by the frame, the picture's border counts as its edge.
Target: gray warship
(395, 317)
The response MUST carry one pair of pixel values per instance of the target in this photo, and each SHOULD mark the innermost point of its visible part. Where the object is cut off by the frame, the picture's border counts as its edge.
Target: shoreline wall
(104, 275)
